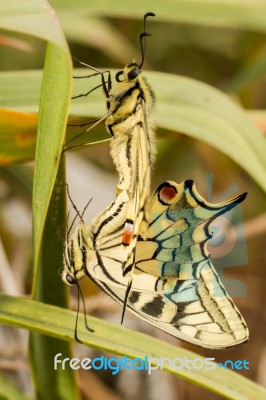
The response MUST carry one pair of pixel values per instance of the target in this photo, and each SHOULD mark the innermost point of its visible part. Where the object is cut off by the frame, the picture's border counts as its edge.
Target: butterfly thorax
(125, 95)
(130, 103)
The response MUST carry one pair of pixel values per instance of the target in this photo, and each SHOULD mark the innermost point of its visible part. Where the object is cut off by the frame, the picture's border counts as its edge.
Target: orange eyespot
(128, 233)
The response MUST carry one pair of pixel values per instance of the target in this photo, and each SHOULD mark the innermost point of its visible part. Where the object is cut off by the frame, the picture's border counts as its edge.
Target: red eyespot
(167, 194)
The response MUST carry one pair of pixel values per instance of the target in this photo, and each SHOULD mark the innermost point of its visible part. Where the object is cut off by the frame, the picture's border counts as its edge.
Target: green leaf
(248, 14)
(198, 110)
(57, 322)
(250, 73)
(32, 17)
(51, 129)
(56, 87)
(205, 113)
(17, 136)
(20, 91)
(49, 289)
(101, 35)
(183, 105)
(37, 18)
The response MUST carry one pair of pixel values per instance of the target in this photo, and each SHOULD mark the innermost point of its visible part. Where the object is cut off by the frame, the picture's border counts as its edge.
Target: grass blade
(58, 322)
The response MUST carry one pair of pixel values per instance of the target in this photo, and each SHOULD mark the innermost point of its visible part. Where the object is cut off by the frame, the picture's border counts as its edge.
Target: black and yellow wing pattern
(175, 286)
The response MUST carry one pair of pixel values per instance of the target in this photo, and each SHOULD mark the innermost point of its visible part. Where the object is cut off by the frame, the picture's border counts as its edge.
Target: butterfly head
(129, 74)
(74, 259)
(131, 71)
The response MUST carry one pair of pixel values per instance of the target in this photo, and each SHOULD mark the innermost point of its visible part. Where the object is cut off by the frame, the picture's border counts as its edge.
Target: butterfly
(130, 102)
(175, 286)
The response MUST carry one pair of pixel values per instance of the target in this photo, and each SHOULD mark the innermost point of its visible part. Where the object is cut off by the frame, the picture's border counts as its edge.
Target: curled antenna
(143, 36)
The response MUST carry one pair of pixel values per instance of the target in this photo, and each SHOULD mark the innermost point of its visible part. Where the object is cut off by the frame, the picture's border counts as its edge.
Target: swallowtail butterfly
(129, 104)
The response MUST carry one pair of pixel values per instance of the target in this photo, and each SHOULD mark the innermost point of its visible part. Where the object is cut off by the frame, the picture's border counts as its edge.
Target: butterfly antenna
(85, 208)
(68, 215)
(77, 317)
(68, 231)
(71, 226)
(73, 204)
(84, 308)
(143, 36)
(77, 215)
(80, 295)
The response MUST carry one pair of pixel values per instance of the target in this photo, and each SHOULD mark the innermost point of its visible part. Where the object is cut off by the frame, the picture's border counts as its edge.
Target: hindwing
(175, 286)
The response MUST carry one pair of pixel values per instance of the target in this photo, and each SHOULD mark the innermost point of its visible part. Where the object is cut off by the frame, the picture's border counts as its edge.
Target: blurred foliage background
(230, 58)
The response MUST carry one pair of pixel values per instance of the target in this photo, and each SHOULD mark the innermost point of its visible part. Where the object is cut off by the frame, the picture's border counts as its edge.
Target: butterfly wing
(175, 286)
